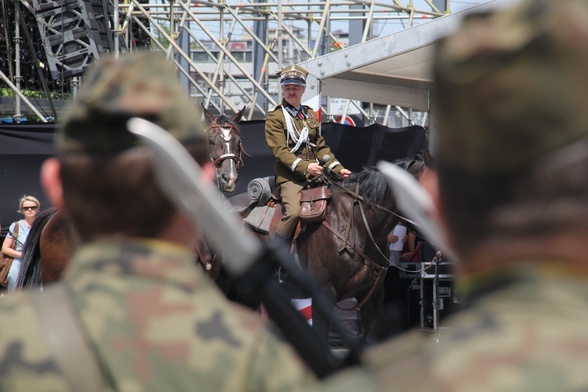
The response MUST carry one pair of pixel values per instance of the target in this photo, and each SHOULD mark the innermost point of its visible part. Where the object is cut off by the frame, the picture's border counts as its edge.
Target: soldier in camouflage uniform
(511, 149)
(292, 133)
(149, 319)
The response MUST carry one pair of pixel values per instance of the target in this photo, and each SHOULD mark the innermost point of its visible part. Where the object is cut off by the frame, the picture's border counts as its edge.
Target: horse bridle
(226, 130)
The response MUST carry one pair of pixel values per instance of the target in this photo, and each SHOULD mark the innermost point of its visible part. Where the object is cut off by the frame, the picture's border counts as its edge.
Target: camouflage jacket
(524, 330)
(155, 324)
(291, 166)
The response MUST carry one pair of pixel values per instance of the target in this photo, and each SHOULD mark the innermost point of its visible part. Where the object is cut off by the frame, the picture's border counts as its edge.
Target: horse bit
(227, 134)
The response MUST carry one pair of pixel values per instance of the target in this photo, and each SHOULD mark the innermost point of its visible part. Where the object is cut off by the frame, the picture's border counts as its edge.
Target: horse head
(225, 148)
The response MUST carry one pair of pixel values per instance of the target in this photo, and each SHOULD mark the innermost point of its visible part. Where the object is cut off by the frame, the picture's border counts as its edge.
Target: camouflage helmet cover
(142, 84)
(511, 86)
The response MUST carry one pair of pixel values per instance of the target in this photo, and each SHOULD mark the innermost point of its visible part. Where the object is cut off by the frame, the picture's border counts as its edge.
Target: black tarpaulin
(24, 147)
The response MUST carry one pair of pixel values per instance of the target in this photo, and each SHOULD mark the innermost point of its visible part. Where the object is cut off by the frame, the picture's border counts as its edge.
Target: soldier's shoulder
(26, 363)
(358, 378)
(510, 338)
(14, 305)
(396, 361)
(274, 116)
(277, 109)
(19, 319)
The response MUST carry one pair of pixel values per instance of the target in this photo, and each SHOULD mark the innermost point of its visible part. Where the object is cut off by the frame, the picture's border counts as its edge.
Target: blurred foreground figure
(511, 149)
(133, 312)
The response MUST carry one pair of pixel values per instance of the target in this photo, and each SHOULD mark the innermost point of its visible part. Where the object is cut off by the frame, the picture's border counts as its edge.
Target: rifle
(246, 257)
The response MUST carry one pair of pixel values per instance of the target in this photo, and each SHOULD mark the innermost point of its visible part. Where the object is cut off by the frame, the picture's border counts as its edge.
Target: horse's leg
(370, 310)
(320, 321)
(350, 331)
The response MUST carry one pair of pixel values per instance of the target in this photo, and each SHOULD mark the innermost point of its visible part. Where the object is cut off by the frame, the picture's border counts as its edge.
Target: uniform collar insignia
(295, 112)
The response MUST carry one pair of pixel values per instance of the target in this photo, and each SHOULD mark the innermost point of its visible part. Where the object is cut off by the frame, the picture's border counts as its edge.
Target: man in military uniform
(292, 133)
(133, 312)
(511, 154)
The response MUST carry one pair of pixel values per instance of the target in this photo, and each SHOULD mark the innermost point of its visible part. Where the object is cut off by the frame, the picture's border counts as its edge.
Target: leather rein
(352, 248)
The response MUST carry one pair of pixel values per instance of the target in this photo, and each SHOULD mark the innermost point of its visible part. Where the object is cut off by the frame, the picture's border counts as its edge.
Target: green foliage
(9, 93)
(162, 40)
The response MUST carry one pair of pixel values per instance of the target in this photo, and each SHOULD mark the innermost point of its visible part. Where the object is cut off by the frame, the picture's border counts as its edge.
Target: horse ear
(207, 114)
(237, 116)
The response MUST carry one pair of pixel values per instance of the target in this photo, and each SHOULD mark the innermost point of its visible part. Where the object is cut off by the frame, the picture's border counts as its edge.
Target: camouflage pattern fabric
(525, 331)
(511, 86)
(156, 324)
(532, 320)
(142, 84)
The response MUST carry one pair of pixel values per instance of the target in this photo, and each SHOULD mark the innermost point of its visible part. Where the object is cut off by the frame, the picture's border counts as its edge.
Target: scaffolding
(227, 52)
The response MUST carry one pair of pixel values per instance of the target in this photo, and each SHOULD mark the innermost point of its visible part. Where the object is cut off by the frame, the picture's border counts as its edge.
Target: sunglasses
(30, 208)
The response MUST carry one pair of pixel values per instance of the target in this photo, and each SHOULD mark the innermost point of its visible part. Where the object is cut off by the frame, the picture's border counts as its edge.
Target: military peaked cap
(293, 74)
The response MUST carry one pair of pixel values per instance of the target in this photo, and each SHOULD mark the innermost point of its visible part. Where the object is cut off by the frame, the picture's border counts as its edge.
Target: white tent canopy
(390, 70)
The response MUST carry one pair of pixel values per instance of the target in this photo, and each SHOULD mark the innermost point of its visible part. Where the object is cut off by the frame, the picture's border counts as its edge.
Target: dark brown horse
(347, 253)
(47, 251)
(50, 243)
(226, 151)
(225, 148)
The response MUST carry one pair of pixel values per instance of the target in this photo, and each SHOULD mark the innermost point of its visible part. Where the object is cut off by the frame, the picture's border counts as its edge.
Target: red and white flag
(315, 104)
(304, 306)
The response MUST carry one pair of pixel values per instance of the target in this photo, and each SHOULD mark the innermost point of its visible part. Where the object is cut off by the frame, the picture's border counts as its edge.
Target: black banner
(24, 147)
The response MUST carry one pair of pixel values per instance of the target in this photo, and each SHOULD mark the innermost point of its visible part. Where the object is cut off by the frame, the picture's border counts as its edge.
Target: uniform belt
(306, 155)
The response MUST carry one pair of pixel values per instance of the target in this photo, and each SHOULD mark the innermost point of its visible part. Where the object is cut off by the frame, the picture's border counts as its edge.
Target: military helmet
(511, 85)
(143, 84)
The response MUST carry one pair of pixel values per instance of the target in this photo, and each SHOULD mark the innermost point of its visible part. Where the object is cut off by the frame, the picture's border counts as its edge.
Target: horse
(346, 254)
(51, 241)
(225, 148)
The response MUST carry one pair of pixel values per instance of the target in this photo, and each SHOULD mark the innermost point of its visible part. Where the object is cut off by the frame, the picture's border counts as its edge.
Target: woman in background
(28, 206)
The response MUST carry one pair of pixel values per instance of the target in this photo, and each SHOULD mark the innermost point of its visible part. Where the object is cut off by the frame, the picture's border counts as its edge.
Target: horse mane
(374, 186)
(30, 270)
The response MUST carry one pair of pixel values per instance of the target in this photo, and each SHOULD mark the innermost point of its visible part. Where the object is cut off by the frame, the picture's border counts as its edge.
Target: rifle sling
(65, 337)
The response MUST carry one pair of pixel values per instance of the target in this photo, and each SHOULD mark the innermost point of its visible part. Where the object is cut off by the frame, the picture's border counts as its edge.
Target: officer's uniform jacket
(292, 162)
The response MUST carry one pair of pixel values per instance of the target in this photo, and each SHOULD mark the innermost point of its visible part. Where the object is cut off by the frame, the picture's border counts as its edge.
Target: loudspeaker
(74, 33)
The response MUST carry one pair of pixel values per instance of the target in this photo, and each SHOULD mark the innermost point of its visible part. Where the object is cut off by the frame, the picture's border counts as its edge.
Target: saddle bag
(313, 204)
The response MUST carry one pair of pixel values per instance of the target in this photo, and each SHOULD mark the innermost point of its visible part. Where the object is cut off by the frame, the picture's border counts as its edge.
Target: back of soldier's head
(108, 176)
(143, 84)
(509, 93)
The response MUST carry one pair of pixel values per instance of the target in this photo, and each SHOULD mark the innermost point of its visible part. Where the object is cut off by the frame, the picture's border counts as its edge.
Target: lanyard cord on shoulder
(302, 137)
